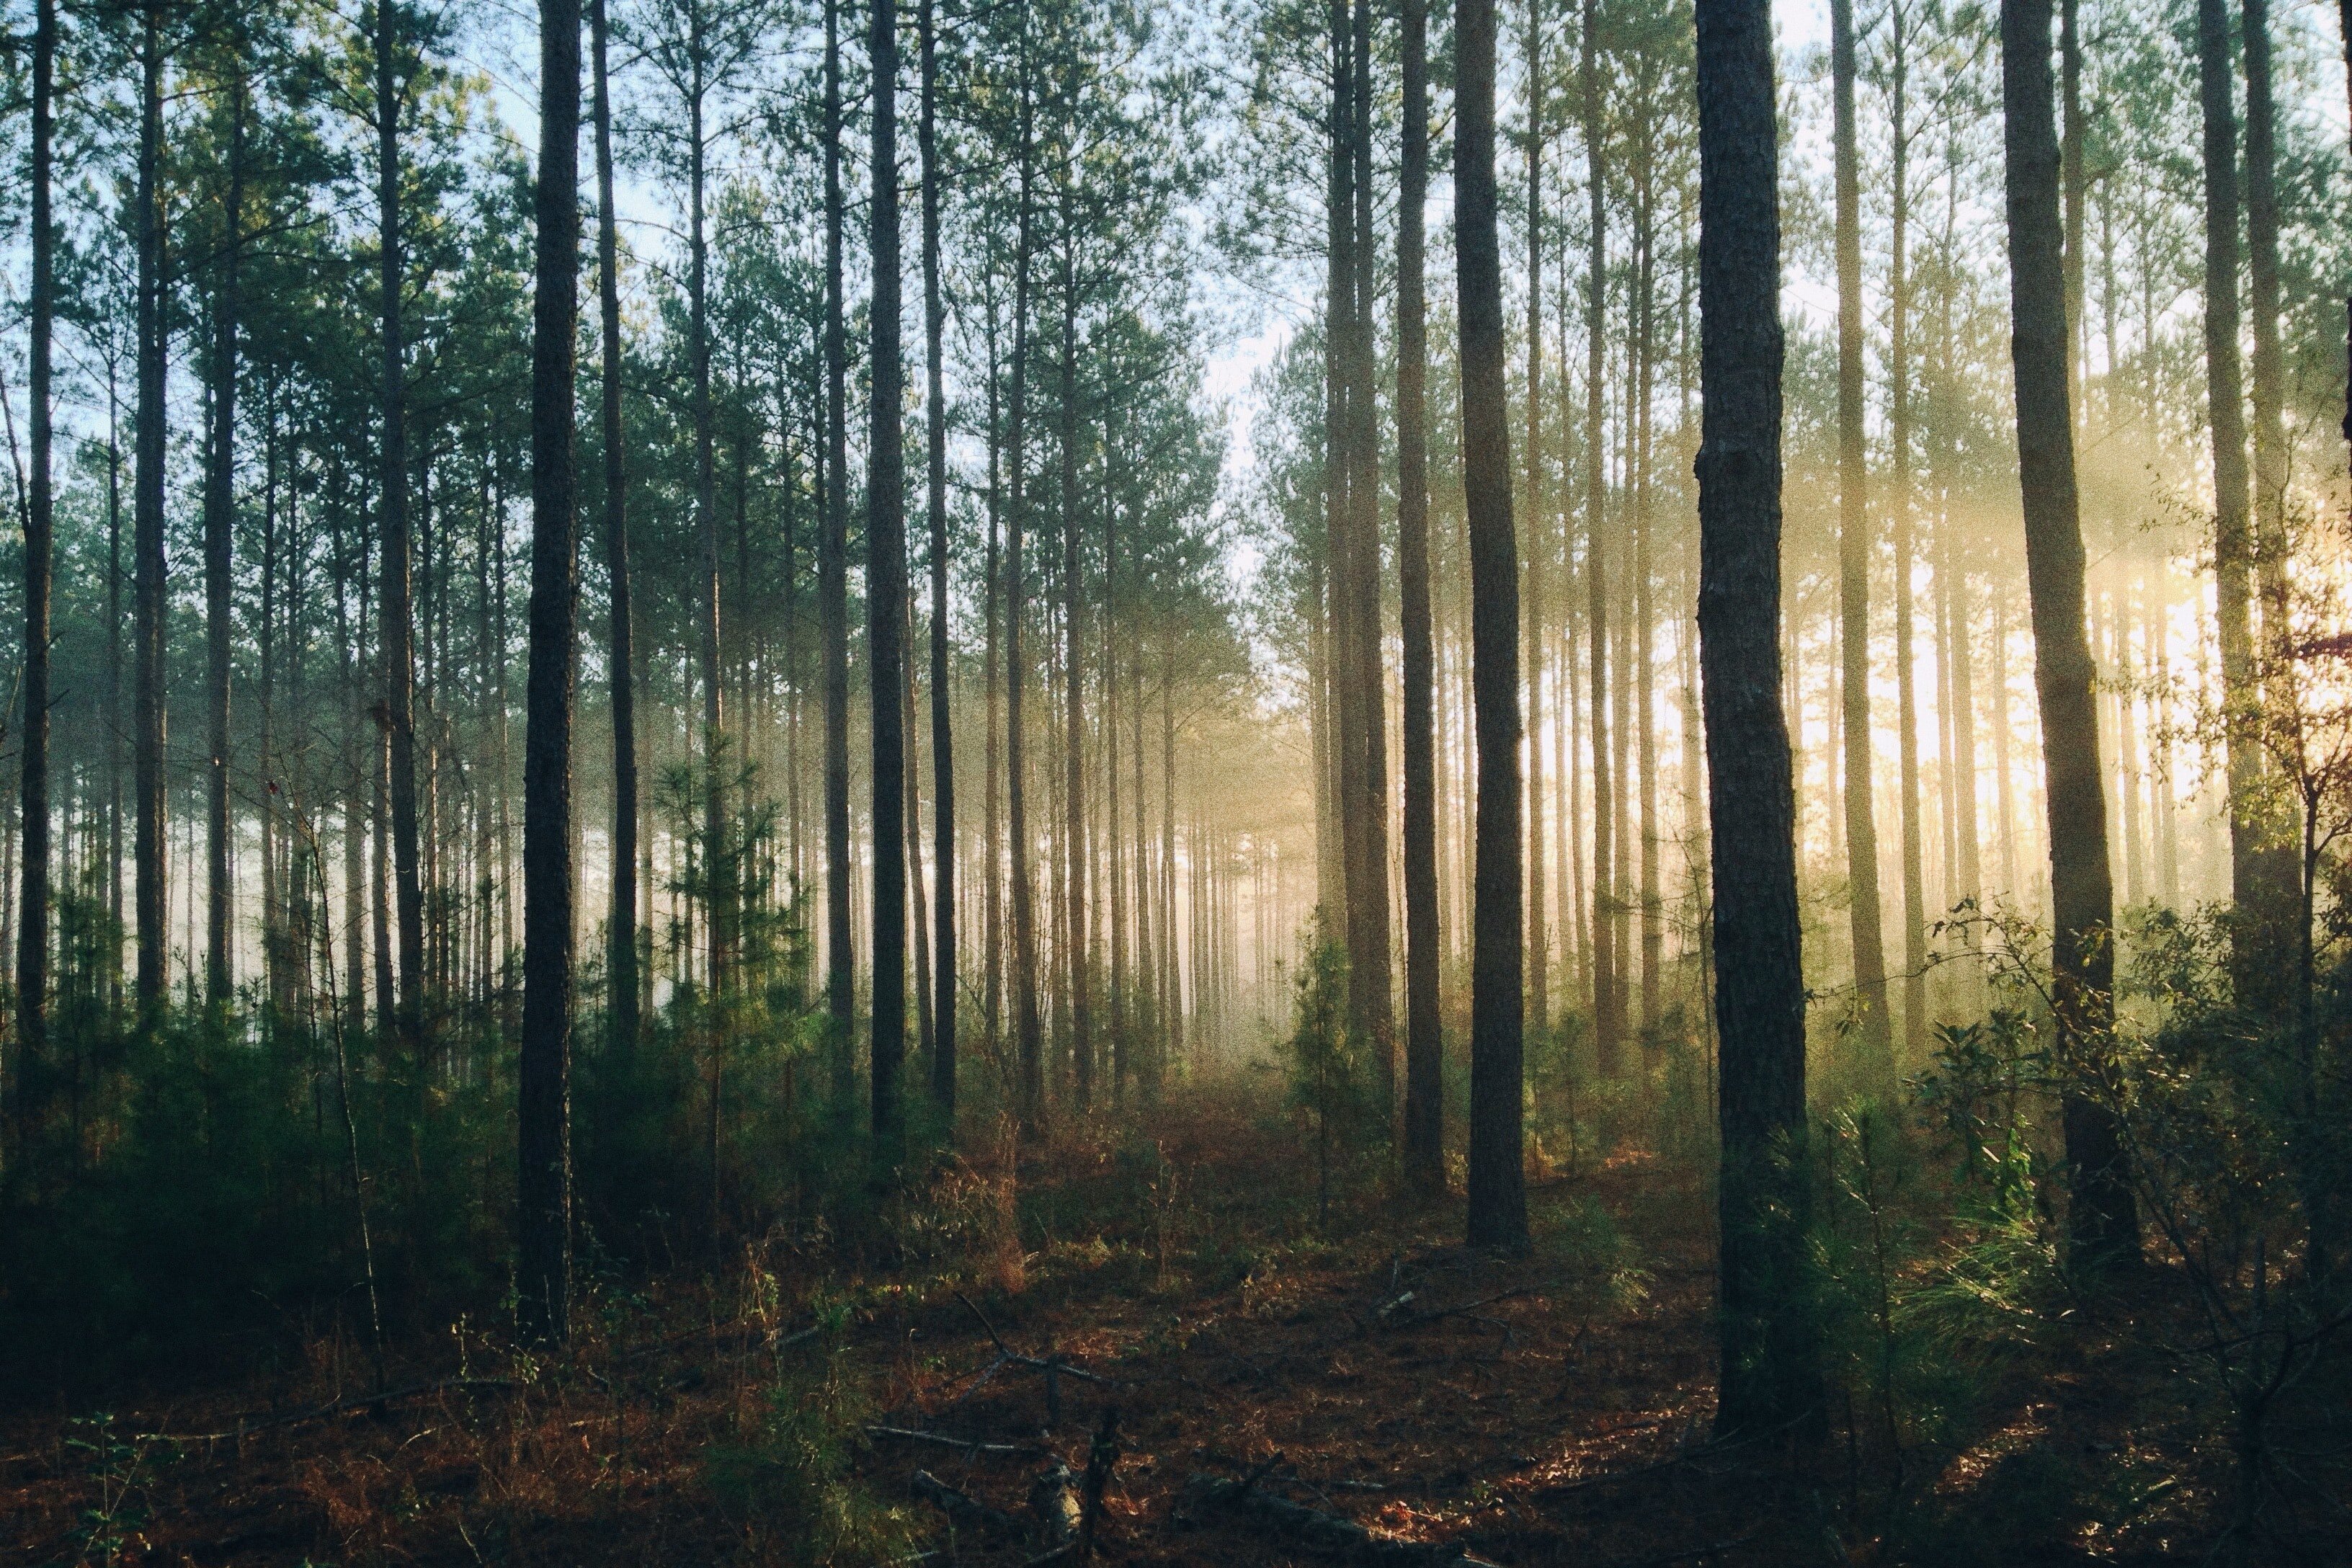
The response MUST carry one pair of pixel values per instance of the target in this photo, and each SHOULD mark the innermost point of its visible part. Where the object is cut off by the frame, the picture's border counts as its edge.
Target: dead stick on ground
(961, 1509)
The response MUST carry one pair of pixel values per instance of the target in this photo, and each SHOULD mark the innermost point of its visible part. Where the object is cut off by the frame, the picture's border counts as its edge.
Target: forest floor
(1549, 1409)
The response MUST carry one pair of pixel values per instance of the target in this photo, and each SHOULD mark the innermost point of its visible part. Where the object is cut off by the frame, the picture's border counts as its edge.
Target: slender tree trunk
(1078, 922)
(1853, 577)
(1607, 991)
(2103, 1222)
(1371, 989)
(1770, 1370)
(147, 528)
(621, 942)
(543, 1175)
(397, 625)
(943, 839)
(220, 513)
(1425, 1117)
(1028, 1026)
(1538, 936)
(885, 595)
(31, 1084)
(833, 600)
(1497, 1190)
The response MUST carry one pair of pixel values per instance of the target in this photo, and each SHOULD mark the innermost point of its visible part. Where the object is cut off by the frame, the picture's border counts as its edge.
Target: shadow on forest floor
(1549, 1409)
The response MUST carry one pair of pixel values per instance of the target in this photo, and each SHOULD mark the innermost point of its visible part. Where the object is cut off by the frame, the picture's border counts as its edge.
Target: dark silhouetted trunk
(885, 595)
(543, 1175)
(935, 484)
(621, 931)
(220, 519)
(833, 600)
(397, 625)
(33, 931)
(1538, 939)
(1497, 1184)
(1029, 1028)
(1770, 1367)
(2103, 1222)
(1424, 1118)
(1608, 988)
(147, 536)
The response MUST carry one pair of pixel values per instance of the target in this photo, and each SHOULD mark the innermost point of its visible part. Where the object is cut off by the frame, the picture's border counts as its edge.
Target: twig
(960, 1508)
(336, 1407)
(947, 1440)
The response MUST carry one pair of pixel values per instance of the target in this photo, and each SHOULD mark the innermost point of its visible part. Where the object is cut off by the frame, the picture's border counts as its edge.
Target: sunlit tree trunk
(1877, 1061)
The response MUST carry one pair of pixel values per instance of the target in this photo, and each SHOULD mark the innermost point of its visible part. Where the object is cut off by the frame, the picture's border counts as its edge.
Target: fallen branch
(962, 1509)
(335, 1407)
(1312, 1529)
(970, 1446)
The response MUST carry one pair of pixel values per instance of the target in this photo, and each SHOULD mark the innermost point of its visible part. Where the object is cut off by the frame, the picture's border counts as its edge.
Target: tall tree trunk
(943, 841)
(33, 930)
(991, 828)
(220, 517)
(1539, 935)
(1608, 990)
(147, 529)
(2234, 541)
(886, 594)
(1497, 1187)
(1907, 700)
(1770, 1368)
(543, 1173)
(1370, 991)
(2103, 1222)
(397, 623)
(1078, 922)
(1425, 1117)
(621, 940)
(1028, 1026)
(833, 602)
(718, 857)
(1876, 1042)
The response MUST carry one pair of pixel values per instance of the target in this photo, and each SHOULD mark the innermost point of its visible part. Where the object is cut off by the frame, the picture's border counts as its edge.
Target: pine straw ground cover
(1550, 1409)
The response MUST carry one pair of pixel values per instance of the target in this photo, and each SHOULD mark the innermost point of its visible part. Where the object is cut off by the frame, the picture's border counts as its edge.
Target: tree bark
(1425, 1117)
(621, 942)
(543, 1175)
(220, 518)
(943, 841)
(2102, 1222)
(1538, 933)
(885, 595)
(1877, 1062)
(397, 629)
(33, 928)
(1028, 1026)
(1770, 1367)
(1608, 990)
(833, 602)
(1497, 1188)
(147, 542)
